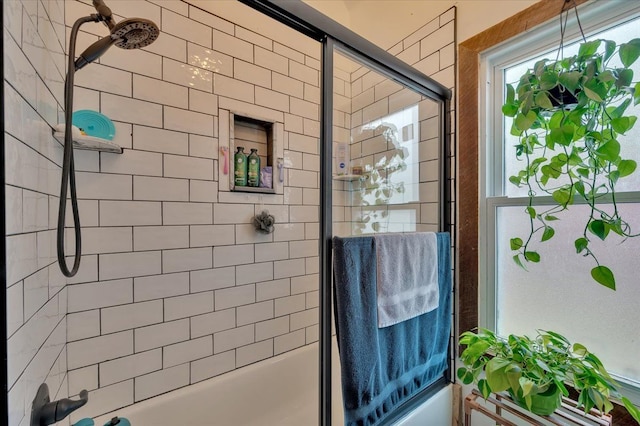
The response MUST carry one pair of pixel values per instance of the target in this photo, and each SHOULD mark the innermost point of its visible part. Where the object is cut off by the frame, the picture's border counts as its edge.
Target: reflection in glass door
(386, 145)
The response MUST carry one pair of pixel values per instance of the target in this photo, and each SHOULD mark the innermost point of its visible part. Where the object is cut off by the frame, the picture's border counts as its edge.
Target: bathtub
(280, 391)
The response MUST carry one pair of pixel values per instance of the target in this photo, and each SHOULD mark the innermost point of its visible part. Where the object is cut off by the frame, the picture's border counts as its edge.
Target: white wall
(34, 40)
(384, 22)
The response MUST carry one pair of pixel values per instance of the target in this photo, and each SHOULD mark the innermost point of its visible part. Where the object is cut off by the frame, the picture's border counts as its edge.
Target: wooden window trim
(468, 140)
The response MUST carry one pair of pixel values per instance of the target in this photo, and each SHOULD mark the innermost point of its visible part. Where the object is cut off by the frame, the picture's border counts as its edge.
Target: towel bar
(568, 414)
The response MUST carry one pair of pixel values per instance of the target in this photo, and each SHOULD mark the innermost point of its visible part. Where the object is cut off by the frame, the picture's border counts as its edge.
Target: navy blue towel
(383, 367)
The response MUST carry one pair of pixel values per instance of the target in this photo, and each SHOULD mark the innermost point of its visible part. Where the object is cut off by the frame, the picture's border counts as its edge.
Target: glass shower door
(387, 162)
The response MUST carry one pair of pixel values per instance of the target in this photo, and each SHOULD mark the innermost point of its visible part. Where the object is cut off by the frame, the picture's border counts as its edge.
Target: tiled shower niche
(248, 131)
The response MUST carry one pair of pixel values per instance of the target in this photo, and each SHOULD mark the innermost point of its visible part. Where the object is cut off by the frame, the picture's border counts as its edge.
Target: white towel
(407, 276)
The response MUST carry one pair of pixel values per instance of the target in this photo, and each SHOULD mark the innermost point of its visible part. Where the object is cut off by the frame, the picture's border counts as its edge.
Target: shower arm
(68, 169)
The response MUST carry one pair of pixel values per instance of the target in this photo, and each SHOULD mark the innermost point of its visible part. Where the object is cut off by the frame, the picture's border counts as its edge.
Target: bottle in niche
(240, 167)
(253, 173)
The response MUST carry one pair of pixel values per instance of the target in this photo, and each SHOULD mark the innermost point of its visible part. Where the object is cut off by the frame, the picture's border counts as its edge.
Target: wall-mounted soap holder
(90, 143)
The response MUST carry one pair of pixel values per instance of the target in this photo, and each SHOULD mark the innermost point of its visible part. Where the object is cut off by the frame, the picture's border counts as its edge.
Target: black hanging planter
(562, 98)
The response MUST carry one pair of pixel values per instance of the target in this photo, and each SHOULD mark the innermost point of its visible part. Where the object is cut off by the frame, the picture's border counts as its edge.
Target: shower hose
(68, 169)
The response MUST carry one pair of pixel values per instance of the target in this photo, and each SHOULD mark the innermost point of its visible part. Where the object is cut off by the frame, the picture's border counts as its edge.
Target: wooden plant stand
(568, 414)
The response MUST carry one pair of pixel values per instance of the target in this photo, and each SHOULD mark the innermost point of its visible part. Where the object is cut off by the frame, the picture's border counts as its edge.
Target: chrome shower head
(134, 33)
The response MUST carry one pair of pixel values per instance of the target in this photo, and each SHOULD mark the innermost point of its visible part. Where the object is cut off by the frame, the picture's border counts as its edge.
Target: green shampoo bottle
(253, 173)
(240, 167)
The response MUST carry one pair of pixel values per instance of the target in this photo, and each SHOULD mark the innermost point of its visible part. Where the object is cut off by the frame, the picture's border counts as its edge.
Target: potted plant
(535, 372)
(568, 115)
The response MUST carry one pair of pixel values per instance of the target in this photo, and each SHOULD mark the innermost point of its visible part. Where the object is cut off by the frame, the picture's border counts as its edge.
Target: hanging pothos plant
(568, 115)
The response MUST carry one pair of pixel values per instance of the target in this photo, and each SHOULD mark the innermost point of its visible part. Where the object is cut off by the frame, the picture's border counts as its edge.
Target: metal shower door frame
(4, 405)
(335, 37)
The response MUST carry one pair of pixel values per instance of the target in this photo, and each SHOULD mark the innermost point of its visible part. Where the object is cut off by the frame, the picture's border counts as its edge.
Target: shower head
(133, 33)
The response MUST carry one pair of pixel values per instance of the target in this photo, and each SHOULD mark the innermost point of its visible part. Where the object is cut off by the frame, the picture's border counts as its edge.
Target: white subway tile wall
(36, 305)
(175, 285)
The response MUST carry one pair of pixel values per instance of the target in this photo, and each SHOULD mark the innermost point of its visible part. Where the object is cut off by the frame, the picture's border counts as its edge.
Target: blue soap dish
(92, 123)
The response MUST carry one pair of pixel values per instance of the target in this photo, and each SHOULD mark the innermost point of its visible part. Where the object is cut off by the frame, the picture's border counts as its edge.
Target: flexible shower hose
(68, 169)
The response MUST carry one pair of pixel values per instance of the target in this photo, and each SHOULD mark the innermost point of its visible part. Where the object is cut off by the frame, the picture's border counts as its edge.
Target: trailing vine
(572, 151)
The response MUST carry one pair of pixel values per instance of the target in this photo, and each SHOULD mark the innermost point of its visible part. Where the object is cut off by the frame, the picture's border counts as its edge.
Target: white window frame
(594, 17)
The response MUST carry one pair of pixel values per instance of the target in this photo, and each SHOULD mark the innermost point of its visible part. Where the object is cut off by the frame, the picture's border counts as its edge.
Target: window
(558, 293)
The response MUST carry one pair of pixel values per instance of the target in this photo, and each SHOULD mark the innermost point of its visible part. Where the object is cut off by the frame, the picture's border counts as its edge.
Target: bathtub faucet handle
(66, 406)
(44, 412)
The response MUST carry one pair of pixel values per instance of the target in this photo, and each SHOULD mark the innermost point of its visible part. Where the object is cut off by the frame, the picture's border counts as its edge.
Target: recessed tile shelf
(90, 143)
(250, 132)
(254, 189)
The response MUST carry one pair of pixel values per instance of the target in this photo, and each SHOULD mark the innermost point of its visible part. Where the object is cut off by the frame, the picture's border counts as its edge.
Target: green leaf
(527, 386)
(589, 48)
(484, 388)
(606, 77)
(548, 80)
(516, 243)
(511, 94)
(610, 150)
(542, 100)
(598, 229)
(538, 68)
(526, 101)
(610, 47)
(583, 172)
(550, 218)
(621, 125)
(604, 276)
(563, 134)
(465, 375)
(562, 196)
(518, 262)
(570, 80)
(581, 244)
(532, 256)
(592, 94)
(495, 373)
(579, 349)
(548, 233)
(515, 180)
(509, 110)
(629, 52)
(531, 211)
(626, 167)
(632, 409)
(618, 111)
(524, 122)
(514, 372)
(625, 78)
